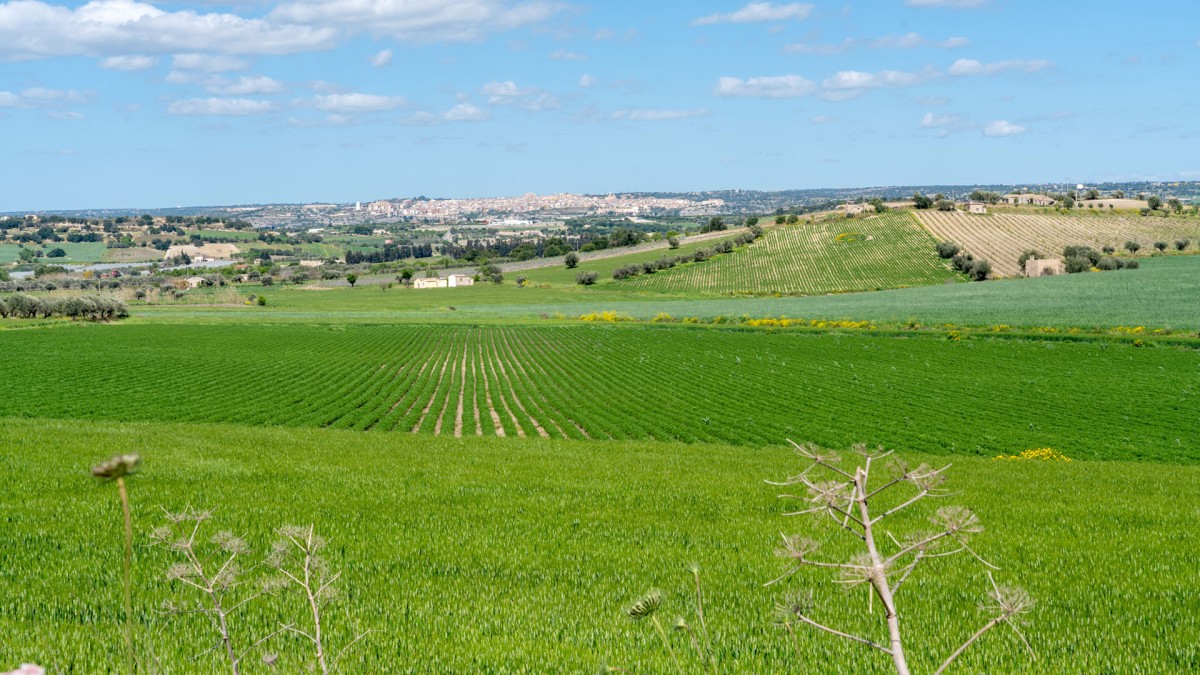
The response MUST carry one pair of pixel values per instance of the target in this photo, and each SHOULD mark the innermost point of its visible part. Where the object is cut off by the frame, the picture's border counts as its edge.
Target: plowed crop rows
(619, 382)
(886, 251)
(1002, 237)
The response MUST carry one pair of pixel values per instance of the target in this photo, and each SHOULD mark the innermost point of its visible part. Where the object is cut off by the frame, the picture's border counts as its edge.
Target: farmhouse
(1044, 268)
(194, 282)
(977, 207)
(456, 280)
(855, 209)
(429, 282)
(1021, 198)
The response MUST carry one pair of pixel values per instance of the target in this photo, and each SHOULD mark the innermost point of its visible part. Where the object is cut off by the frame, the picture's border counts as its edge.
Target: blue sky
(117, 103)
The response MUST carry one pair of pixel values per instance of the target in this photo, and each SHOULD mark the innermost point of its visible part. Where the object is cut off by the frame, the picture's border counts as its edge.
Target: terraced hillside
(885, 251)
(1002, 237)
(615, 382)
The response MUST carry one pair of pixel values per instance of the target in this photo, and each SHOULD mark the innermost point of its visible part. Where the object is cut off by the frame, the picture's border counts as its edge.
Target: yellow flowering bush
(1042, 454)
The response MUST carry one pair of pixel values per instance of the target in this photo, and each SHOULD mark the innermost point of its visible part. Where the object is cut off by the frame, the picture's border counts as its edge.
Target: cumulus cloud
(244, 86)
(466, 112)
(527, 98)
(31, 29)
(38, 97)
(381, 59)
(130, 62)
(418, 21)
(757, 12)
(357, 102)
(857, 79)
(964, 67)
(1003, 128)
(219, 106)
(780, 86)
(954, 43)
(651, 115)
(208, 63)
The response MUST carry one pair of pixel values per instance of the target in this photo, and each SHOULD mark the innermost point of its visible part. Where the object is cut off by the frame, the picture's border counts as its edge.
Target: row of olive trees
(700, 255)
(79, 307)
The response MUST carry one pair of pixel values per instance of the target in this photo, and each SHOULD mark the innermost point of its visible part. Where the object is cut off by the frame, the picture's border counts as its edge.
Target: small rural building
(429, 282)
(1016, 198)
(855, 209)
(977, 207)
(456, 280)
(194, 282)
(1044, 268)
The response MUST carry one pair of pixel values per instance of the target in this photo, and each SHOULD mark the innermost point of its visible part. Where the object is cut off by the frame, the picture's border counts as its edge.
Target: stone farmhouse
(977, 207)
(452, 281)
(1022, 198)
(1044, 268)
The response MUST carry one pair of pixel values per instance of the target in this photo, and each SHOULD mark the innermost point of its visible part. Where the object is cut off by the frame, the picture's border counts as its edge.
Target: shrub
(1132, 246)
(1109, 263)
(589, 278)
(571, 260)
(1080, 251)
(1109, 250)
(1160, 245)
(1028, 254)
(1077, 264)
(521, 279)
(673, 243)
(980, 270)
(945, 205)
(947, 249)
(262, 301)
(1182, 244)
(1132, 264)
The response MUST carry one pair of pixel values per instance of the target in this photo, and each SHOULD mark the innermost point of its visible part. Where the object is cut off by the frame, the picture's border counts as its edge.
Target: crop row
(886, 251)
(619, 382)
(1001, 238)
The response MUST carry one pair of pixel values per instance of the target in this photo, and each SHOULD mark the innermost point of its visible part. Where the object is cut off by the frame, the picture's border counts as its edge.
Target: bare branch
(946, 664)
(839, 633)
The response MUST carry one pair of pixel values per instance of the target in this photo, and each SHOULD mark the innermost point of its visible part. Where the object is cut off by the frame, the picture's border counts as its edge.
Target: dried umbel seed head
(1009, 601)
(796, 547)
(646, 606)
(800, 602)
(117, 467)
(957, 519)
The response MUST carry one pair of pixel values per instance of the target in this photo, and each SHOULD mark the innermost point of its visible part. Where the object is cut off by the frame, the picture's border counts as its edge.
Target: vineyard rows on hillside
(1002, 237)
(886, 251)
(618, 382)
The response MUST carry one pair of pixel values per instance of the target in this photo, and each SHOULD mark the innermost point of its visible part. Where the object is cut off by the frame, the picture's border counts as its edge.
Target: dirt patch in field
(215, 251)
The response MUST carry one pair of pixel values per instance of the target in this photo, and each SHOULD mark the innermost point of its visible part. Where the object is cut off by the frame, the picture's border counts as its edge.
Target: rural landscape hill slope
(1003, 236)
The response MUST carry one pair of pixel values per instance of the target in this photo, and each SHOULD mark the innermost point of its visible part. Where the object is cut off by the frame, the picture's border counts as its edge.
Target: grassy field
(136, 254)
(521, 556)
(224, 235)
(559, 274)
(671, 383)
(886, 251)
(83, 252)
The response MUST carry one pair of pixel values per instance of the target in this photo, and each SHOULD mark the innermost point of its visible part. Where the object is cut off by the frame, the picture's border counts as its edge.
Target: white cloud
(906, 41)
(821, 119)
(954, 43)
(381, 59)
(527, 98)
(564, 55)
(952, 4)
(780, 86)
(244, 86)
(964, 67)
(38, 97)
(820, 49)
(419, 21)
(31, 29)
(466, 112)
(357, 102)
(129, 62)
(207, 63)
(757, 12)
(219, 106)
(933, 101)
(650, 115)
(66, 115)
(857, 79)
(604, 34)
(1003, 128)
(587, 81)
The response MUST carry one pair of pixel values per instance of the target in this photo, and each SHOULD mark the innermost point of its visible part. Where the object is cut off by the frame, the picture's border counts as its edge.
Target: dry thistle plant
(847, 499)
(296, 556)
(212, 569)
(116, 469)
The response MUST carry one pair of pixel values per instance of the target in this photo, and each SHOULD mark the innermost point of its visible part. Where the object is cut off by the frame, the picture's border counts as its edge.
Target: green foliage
(921, 201)
(352, 279)
(1076, 264)
(572, 260)
(947, 250)
(714, 224)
